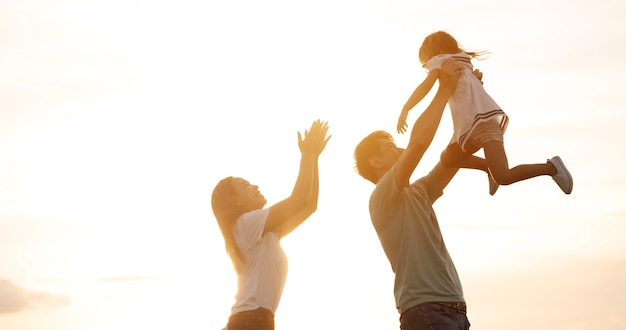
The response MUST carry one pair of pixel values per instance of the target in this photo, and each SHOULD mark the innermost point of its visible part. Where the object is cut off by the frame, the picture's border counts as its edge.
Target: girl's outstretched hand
(402, 126)
(314, 140)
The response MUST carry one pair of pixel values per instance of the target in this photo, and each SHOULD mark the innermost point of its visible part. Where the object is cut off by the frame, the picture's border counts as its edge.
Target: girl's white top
(264, 268)
(469, 104)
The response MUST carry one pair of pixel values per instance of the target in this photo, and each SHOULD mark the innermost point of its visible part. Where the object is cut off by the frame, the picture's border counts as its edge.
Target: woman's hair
(366, 149)
(226, 211)
(441, 42)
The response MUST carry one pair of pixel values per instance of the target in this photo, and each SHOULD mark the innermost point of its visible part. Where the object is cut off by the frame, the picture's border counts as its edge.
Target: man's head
(375, 155)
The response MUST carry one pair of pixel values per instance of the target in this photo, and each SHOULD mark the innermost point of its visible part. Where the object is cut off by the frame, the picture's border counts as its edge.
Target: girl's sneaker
(562, 177)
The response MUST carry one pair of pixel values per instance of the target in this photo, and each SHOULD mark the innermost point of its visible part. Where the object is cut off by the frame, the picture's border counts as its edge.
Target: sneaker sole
(561, 166)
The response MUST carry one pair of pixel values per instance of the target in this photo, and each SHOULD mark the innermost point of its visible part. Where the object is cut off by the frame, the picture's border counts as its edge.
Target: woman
(252, 233)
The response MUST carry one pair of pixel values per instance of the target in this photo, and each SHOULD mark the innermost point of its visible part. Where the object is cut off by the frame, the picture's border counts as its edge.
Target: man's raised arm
(426, 125)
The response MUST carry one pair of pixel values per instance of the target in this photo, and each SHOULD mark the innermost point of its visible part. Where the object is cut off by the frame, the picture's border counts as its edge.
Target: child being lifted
(478, 121)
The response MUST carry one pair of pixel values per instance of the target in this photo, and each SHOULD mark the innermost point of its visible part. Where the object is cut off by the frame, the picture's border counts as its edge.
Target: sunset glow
(119, 117)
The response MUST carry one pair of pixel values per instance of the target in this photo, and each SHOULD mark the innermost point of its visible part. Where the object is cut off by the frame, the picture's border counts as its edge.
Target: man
(427, 288)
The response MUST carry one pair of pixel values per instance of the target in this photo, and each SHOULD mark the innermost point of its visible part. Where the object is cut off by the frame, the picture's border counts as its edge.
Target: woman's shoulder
(253, 216)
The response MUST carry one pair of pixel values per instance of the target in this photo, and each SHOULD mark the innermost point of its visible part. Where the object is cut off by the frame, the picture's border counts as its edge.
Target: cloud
(14, 299)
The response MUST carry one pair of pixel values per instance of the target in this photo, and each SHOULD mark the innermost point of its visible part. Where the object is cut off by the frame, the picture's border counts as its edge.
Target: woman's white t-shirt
(264, 268)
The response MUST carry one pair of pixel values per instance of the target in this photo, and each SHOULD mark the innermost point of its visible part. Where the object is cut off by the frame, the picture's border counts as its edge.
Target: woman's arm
(302, 196)
(292, 223)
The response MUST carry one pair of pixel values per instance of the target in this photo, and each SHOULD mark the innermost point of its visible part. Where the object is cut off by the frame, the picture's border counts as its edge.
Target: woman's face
(247, 195)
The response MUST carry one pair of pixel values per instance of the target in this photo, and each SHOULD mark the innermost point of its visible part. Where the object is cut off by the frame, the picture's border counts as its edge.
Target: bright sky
(119, 117)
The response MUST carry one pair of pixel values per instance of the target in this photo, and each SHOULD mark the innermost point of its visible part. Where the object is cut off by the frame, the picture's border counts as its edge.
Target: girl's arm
(304, 193)
(422, 90)
(418, 94)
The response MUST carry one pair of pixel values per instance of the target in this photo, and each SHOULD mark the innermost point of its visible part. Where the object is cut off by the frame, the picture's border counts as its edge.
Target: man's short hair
(369, 147)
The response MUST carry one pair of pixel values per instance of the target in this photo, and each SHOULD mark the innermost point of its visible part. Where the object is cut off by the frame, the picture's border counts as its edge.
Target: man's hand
(449, 74)
(478, 75)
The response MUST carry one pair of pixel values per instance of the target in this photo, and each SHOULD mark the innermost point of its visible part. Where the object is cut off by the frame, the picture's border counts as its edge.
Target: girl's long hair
(226, 211)
(441, 42)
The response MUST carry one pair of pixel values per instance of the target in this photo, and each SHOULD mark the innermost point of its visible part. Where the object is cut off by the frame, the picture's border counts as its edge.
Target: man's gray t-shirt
(409, 233)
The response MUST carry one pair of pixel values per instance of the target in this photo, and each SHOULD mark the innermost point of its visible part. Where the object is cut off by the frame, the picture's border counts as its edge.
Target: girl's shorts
(484, 132)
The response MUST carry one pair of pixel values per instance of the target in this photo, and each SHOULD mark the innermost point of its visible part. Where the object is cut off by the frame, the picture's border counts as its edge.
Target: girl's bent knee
(503, 180)
(448, 162)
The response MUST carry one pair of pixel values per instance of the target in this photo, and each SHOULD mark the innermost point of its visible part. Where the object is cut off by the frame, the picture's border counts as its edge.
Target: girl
(252, 233)
(478, 120)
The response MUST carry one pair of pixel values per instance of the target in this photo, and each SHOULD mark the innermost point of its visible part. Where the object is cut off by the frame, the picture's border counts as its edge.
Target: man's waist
(457, 306)
(460, 306)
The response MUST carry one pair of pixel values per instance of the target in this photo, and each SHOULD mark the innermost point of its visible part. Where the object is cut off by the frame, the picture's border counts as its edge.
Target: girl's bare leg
(453, 156)
(499, 166)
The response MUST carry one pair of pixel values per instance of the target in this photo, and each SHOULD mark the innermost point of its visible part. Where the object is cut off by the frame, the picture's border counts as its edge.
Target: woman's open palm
(314, 139)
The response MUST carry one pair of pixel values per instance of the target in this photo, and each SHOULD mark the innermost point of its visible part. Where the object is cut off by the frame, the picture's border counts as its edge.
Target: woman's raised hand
(314, 140)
